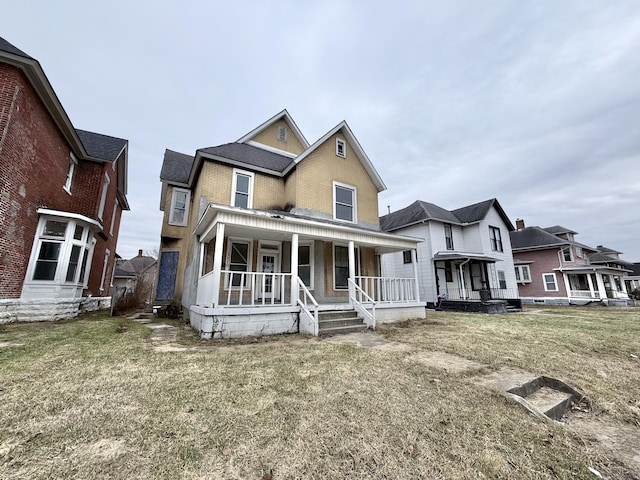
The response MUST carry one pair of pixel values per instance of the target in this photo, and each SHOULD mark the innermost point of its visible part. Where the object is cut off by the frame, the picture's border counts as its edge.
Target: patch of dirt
(615, 441)
(445, 361)
(103, 450)
(368, 340)
(9, 344)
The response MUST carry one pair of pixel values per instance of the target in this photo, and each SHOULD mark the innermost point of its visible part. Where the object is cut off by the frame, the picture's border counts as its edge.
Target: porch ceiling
(280, 227)
(586, 269)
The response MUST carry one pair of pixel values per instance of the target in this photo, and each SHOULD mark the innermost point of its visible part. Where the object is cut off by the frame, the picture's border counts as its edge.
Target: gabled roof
(417, 212)
(420, 211)
(603, 257)
(283, 115)
(353, 142)
(602, 249)
(137, 264)
(102, 146)
(176, 167)
(9, 48)
(478, 211)
(242, 154)
(536, 238)
(558, 230)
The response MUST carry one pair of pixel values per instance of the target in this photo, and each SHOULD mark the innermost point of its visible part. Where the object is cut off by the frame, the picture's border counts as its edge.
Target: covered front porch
(595, 284)
(471, 282)
(267, 272)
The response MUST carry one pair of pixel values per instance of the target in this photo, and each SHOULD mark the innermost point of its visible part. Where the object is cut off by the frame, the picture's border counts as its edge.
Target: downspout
(464, 292)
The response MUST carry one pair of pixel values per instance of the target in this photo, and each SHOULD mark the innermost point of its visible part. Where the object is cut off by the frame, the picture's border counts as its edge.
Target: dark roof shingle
(418, 211)
(101, 146)
(9, 48)
(250, 156)
(534, 237)
(176, 166)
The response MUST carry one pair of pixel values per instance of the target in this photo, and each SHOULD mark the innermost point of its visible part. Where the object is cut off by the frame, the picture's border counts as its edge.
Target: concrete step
(342, 330)
(553, 403)
(335, 314)
(339, 322)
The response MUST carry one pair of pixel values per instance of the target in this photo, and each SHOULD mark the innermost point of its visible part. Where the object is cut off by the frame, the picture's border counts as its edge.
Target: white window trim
(340, 141)
(185, 219)
(103, 197)
(570, 254)
(73, 162)
(227, 265)
(311, 262)
(113, 217)
(107, 255)
(355, 202)
(236, 172)
(333, 261)
(544, 282)
(501, 273)
(520, 269)
(493, 229)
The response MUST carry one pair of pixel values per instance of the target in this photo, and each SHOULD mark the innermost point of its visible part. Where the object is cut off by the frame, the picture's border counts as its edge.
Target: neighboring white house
(466, 255)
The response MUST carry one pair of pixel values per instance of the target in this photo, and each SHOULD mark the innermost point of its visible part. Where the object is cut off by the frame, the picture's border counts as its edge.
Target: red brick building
(62, 192)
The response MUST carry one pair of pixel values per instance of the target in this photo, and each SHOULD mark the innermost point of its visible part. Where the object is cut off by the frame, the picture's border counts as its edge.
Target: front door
(268, 285)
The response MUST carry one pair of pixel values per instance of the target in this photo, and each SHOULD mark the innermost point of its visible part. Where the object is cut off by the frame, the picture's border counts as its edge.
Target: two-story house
(62, 192)
(261, 234)
(552, 268)
(465, 262)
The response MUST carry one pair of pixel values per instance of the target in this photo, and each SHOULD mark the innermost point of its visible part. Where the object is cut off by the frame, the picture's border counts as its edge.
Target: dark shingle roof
(636, 269)
(601, 257)
(176, 166)
(530, 237)
(101, 146)
(250, 156)
(558, 230)
(136, 264)
(418, 211)
(7, 47)
(475, 212)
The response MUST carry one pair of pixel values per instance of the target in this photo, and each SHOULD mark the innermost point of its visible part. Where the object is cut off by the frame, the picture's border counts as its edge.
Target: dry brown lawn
(91, 398)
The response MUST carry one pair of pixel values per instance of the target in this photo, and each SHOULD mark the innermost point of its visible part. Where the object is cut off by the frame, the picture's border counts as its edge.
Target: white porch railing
(308, 319)
(584, 294)
(387, 289)
(360, 300)
(205, 295)
(477, 295)
(254, 288)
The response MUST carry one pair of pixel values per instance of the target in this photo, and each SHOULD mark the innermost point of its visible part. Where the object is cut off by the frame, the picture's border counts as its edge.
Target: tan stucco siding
(269, 137)
(317, 172)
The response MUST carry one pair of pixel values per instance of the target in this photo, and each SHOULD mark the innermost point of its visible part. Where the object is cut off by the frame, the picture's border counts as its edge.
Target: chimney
(140, 252)
(519, 224)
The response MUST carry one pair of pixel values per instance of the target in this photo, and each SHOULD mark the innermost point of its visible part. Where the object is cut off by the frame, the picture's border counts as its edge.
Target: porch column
(567, 285)
(414, 261)
(217, 264)
(623, 285)
(202, 259)
(463, 289)
(601, 287)
(352, 268)
(294, 269)
(590, 282)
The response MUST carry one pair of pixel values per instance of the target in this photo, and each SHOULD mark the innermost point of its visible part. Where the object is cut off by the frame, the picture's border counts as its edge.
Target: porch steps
(331, 322)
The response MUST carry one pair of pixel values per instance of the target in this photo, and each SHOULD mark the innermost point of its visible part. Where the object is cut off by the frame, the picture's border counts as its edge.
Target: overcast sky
(455, 102)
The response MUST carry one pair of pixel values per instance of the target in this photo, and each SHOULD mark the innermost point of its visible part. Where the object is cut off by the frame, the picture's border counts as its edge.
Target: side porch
(595, 284)
(264, 273)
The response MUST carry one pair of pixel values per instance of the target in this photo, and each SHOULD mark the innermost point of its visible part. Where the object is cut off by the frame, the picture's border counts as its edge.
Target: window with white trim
(62, 245)
(344, 202)
(502, 280)
(566, 254)
(550, 284)
(113, 217)
(523, 274)
(103, 198)
(282, 133)
(107, 254)
(73, 161)
(305, 264)
(238, 260)
(242, 189)
(495, 238)
(179, 214)
(341, 148)
(448, 236)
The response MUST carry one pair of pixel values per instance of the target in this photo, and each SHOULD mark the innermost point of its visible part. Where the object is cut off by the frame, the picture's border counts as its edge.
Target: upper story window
(448, 236)
(344, 202)
(523, 274)
(579, 252)
(179, 214)
(113, 217)
(282, 133)
(73, 161)
(103, 198)
(242, 189)
(341, 148)
(567, 255)
(496, 239)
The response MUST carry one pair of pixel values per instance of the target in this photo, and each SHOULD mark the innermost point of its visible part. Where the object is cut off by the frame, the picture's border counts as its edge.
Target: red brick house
(62, 192)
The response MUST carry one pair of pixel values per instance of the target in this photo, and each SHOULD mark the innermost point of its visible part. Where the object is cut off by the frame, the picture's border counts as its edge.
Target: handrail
(305, 309)
(358, 304)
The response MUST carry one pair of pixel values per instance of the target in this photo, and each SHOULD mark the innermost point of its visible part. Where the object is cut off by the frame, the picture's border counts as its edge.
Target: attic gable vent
(282, 133)
(341, 148)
